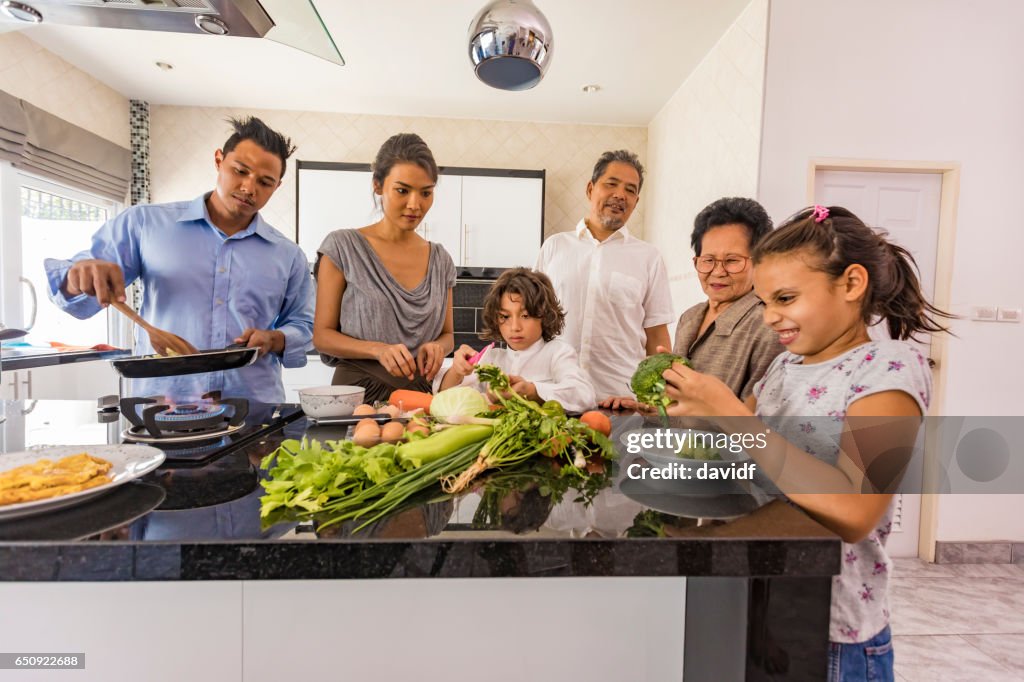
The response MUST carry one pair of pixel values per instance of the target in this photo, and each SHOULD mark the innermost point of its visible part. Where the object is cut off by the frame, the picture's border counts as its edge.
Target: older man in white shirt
(613, 286)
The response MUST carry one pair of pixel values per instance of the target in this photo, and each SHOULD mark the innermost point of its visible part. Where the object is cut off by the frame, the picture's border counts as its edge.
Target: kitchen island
(755, 597)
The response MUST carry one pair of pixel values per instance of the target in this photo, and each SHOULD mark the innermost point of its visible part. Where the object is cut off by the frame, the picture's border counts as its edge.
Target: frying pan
(218, 360)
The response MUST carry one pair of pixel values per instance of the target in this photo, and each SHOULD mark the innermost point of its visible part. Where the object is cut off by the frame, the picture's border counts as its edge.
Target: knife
(476, 358)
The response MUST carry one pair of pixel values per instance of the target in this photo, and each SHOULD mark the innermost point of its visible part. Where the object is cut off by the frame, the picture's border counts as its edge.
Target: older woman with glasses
(726, 336)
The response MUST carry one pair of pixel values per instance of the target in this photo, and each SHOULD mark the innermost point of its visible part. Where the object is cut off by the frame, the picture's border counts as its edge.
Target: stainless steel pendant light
(510, 44)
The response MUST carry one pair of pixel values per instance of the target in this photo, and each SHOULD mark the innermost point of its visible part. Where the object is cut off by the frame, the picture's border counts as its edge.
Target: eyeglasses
(731, 263)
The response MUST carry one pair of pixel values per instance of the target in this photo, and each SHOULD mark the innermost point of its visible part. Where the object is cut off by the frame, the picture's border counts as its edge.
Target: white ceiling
(410, 58)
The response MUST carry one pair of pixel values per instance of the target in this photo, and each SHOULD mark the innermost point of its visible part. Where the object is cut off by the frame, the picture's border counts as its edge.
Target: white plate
(128, 463)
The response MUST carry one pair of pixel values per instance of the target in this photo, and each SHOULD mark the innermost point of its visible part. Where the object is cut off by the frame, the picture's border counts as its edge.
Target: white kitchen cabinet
(482, 217)
(128, 631)
(73, 381)
(501, 219)
(516, 629)
(315, 373)
(443, 223)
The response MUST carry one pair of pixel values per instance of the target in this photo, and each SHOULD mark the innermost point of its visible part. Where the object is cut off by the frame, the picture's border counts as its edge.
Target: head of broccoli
(647, 382)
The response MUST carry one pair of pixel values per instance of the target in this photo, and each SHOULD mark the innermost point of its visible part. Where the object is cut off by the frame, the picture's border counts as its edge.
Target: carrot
(407, 400)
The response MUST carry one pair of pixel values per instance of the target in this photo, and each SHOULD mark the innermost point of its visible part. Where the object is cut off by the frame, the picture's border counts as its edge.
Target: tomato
(597, 421)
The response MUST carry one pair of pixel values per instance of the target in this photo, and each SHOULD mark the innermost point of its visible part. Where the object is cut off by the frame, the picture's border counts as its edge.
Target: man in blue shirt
(212, 270)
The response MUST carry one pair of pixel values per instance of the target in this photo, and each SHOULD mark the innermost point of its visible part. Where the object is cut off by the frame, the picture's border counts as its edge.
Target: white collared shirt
(611, 291)
(551, 366)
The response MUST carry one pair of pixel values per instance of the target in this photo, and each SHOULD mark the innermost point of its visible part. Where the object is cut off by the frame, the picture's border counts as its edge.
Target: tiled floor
(958, 621)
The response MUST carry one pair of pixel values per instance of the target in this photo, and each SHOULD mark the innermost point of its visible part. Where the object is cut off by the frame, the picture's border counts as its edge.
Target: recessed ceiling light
(21, 11)
(164, 66)
(591, 88)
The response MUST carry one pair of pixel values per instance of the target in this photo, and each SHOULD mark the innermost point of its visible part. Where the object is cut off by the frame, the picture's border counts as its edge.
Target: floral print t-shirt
(791, 389)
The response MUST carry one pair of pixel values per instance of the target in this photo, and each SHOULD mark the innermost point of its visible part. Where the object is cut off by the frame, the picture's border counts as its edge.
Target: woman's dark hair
(254, 129)
(728, 211)
(538, 296)
(403, 148)
(839, 241)
(621, 156)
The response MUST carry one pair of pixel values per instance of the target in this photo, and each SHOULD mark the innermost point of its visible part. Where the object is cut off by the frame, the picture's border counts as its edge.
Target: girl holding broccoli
(849, 407)
(522, 310)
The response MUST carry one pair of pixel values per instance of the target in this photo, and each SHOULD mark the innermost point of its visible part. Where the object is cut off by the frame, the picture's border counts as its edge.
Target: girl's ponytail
(896, 295)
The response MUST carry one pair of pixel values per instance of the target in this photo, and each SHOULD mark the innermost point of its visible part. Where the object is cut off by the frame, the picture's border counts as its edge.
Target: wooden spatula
(161, 340)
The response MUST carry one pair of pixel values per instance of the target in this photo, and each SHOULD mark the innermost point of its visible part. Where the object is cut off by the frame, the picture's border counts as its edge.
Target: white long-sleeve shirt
(552, 366)
(612, 291)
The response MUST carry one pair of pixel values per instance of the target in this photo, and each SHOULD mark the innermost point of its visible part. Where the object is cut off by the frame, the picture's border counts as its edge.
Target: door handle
(14, 385)
(35, 301)
(28, 385)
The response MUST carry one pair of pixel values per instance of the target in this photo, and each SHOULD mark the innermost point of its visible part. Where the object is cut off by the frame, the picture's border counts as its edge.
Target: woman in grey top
(726, 336)
(384, 294)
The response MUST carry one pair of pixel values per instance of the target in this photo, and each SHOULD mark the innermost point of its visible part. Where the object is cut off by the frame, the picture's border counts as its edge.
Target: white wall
(704, 145)
(934, 80)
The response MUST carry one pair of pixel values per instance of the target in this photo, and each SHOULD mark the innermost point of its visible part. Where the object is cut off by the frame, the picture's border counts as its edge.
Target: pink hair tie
(820, 213)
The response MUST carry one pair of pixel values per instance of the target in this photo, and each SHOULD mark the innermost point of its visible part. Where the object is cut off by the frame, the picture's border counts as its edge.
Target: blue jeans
(870, 661)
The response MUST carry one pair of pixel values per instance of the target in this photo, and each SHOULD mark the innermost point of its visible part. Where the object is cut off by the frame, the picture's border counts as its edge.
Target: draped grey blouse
(375, 306)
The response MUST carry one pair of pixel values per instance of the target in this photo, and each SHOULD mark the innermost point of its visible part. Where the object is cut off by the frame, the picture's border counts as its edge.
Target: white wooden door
(907, 206)
(501, 220)
(443, 223)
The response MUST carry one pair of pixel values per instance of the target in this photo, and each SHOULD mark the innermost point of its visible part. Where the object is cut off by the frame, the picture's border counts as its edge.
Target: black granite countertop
(16, 358)
(202, 523)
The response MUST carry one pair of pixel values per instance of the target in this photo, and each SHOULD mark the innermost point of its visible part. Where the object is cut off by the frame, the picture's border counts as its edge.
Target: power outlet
(985, 313)
(1008, 315)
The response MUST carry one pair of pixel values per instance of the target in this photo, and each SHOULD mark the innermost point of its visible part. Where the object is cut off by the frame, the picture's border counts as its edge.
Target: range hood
(292, 22)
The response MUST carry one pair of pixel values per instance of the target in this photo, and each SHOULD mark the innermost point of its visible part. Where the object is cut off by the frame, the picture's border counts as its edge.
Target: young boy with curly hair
(522, 310)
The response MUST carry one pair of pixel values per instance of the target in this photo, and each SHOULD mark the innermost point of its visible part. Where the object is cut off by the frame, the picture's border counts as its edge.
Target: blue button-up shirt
(206, 287)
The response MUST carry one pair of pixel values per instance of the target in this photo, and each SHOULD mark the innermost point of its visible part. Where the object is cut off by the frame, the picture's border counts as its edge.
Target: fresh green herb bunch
(647, 382)
(523, 429)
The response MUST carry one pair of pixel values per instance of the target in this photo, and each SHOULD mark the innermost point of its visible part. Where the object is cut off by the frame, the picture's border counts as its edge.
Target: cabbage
(462, 401)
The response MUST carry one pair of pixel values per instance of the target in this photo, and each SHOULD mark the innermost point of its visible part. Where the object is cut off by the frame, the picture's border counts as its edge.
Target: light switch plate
(986, 313)
(1008, 315)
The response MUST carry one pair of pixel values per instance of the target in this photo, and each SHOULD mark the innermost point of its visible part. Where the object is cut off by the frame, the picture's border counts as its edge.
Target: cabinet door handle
(28, 385)
(14, 385)
(465, 244)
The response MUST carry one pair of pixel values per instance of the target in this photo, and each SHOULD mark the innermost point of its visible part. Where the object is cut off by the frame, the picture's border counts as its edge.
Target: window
(43, 219)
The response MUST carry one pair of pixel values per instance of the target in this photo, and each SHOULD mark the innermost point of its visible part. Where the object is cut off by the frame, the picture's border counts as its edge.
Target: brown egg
(364, 409)
(390, 410)
(367, 424)
(392, 432)
(366, 433)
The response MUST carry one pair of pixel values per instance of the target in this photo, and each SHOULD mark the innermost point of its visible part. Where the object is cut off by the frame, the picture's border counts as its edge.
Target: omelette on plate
(46, 478)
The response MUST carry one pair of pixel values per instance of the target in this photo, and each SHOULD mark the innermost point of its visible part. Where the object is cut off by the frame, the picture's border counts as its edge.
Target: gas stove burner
(140, 434)
(187, 412)
(159, 419)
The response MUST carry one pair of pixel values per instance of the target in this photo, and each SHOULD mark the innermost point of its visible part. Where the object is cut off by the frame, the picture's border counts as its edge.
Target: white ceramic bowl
(330, 401)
